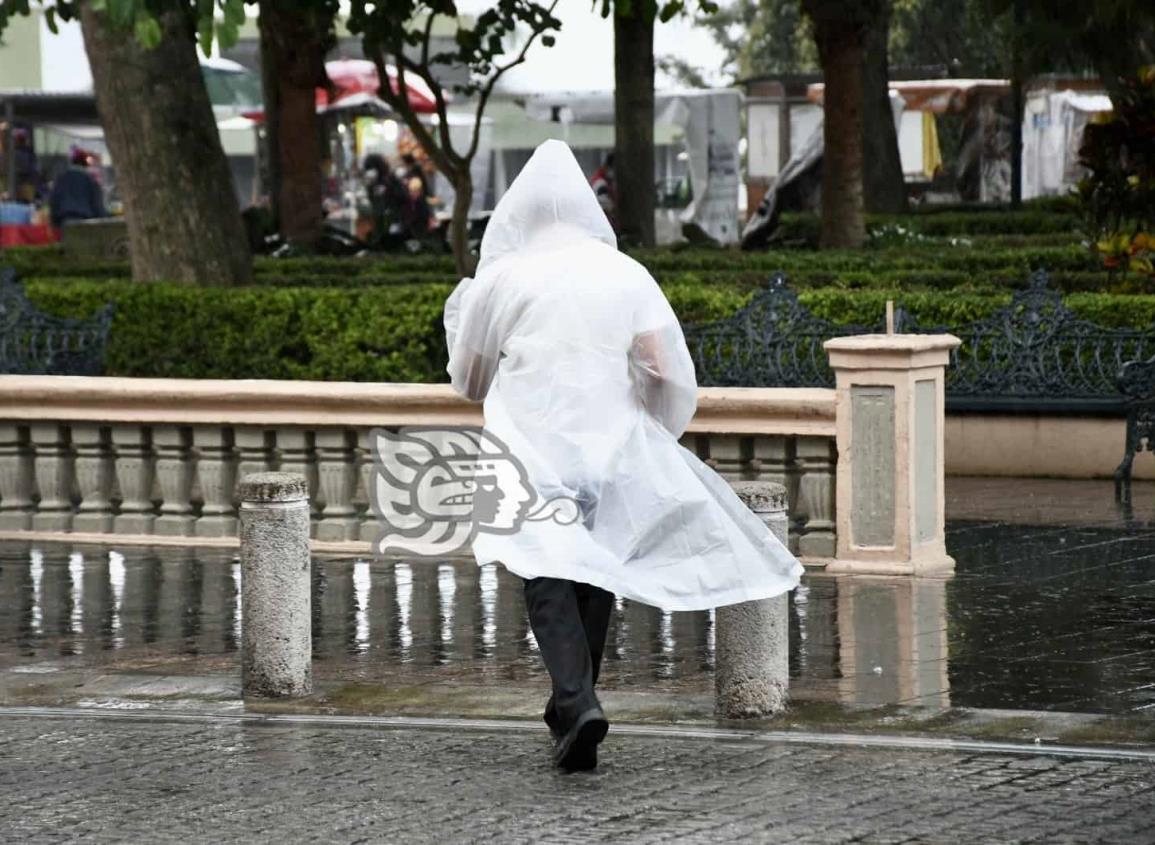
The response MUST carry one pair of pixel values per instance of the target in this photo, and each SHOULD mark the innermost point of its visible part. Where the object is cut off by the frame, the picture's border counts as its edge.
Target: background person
(75, 194)
(387, 199)
(606, 190)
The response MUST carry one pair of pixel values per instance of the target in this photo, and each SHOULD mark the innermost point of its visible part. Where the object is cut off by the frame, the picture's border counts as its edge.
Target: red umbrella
(358, 78)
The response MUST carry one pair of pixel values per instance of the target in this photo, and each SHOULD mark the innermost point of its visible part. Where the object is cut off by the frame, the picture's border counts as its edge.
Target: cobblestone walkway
(125, 780)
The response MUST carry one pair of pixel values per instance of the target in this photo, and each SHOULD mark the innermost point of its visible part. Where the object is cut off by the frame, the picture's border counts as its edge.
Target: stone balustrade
(160, 458)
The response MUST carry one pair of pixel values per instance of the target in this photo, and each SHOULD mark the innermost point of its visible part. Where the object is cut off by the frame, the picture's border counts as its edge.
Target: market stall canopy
(46, 107)
(1088, 103)
(938, 96)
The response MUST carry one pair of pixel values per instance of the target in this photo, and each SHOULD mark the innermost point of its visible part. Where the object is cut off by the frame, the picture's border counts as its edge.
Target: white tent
(1053, 123)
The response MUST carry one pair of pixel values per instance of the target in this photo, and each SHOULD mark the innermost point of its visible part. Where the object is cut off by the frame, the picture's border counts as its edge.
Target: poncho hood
(550, 201)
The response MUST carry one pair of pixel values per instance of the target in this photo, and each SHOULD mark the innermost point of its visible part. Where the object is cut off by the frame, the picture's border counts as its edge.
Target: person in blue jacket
(75, 194)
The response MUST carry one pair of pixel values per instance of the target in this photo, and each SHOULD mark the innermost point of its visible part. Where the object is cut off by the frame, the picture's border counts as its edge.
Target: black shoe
(553, 721)
(578, 749)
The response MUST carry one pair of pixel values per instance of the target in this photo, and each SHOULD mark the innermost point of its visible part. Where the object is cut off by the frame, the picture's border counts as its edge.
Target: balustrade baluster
(15, 478)
(174, 473)
(217, 471)
(768, 459)
(729, 454)
(94, 477)
(255, 453)
(337, 471)
(814, 465)
(369, 525)
(54, 477)
(135, 473)
(296, 451)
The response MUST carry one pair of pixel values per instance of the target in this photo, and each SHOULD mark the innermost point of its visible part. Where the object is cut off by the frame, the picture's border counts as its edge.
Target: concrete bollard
(276, 611)
(751, 677)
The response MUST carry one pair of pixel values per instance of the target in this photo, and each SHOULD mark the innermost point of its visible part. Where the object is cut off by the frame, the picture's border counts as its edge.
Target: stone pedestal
(752, 674)
(889, 500)
(276, 599)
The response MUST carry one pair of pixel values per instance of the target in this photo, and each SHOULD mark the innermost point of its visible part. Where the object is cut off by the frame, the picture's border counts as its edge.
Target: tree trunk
(883, 185)
(841, 51)
(1017, 73)
(634, 124)
(459, 225)
(293, 46)
(184, 223)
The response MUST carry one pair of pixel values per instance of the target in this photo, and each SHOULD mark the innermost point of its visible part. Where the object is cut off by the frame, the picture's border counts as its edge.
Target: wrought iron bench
(35, 343)
(1034, 354)
(1136, 382)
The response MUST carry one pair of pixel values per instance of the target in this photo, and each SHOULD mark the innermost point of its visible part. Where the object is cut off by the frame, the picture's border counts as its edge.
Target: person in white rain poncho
(586, 377)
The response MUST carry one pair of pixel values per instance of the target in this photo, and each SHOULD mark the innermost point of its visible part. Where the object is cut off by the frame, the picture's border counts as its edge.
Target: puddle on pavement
(1035, 618)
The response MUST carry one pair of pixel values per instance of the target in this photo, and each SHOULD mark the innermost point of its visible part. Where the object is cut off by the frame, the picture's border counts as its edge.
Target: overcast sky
(583, 57)
(581, 60)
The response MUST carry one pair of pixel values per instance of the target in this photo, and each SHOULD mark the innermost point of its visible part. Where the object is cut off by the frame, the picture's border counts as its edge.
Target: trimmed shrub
(395, 333)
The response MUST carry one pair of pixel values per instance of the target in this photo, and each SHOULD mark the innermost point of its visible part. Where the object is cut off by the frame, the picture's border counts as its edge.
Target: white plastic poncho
(587, 379)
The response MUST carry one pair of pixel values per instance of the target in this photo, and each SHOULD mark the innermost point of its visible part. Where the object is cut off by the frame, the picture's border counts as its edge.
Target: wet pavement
(115, 779)
(1036, 618)
(1049, 619)
(157, 780)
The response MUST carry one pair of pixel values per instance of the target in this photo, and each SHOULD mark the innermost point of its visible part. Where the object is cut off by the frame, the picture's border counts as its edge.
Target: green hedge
(386, 334)
(394, 333)
(1072, 269)
(803, 229)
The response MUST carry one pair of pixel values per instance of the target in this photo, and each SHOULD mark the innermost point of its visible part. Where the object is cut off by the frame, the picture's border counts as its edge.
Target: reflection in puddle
(361, 581)
(1031, 620)
(116, 584)
(403, 577)
(37, 566)
(488, 584)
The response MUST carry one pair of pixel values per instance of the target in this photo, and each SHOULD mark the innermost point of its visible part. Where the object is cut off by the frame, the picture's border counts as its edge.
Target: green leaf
(147, 31)
(50, 20)
(227, 34)
(205, 34)
(548, 40)
(234, 12)
(668, 10)
(122, 13)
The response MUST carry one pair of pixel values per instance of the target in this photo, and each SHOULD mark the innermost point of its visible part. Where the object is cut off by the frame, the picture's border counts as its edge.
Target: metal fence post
(751, 677)
(276, 612)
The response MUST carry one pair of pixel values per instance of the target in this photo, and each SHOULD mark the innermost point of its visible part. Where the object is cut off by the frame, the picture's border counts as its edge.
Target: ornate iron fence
(772, 341)
(35, 343)
(1032, 354)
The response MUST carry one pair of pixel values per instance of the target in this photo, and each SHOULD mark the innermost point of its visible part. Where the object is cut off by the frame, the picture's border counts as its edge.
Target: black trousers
(570, 621)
